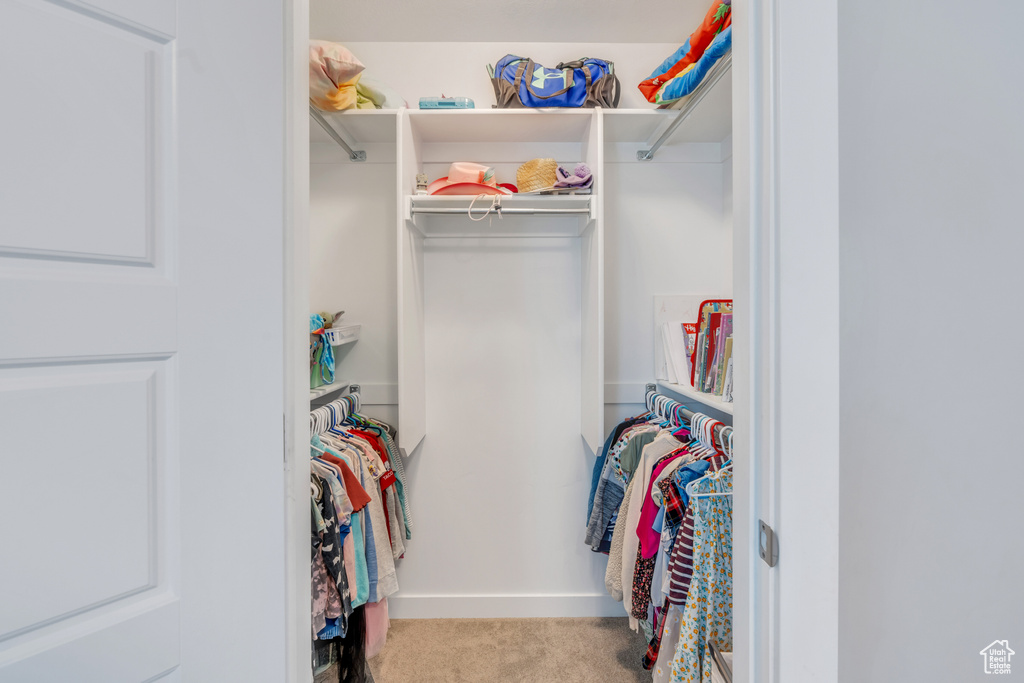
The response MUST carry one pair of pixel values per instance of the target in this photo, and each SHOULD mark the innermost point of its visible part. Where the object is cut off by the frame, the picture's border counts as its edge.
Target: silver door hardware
(767, 544)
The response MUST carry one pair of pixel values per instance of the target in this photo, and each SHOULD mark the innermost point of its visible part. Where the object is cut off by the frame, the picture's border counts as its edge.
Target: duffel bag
(587, 82)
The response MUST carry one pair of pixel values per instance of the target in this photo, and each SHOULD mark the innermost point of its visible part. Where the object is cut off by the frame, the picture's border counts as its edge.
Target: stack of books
(699, 354)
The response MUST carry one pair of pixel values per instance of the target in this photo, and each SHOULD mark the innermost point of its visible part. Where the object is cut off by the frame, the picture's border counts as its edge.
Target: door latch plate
(767, 544)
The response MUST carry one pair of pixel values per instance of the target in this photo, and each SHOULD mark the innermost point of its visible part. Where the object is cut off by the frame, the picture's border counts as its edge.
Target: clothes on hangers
(611, 485)
(708, 611)
(669, 551)
(360, 517)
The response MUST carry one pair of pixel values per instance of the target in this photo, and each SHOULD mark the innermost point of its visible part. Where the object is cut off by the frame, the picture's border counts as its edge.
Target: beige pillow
(333, 70)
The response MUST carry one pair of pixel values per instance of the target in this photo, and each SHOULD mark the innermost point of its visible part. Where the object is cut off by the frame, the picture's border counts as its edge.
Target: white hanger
(690, 488)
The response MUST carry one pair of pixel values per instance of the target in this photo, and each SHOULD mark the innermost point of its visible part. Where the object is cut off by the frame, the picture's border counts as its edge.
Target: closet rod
(719, 70)
(353, 154)
(514, 210)
(722, 430)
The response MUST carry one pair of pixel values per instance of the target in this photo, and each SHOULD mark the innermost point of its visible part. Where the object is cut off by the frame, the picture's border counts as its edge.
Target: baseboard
(502, 606)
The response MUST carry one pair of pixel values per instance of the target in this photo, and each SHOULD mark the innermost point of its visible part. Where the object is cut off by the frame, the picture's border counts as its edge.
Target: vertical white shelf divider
(412, 380)
(592, 303)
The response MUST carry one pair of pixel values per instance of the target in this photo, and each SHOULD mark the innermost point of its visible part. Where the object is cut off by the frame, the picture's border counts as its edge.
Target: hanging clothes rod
(717, 71)
(334, 413)
(522, 211)
(723, 431)
(353, 154)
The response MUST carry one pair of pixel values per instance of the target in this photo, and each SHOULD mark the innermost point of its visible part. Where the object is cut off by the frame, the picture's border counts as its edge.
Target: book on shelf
(727, 386)
(713, 335)
(698, 354)
(723, 365)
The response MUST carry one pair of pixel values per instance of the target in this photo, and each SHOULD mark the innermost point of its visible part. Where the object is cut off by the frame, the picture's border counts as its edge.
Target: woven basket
(536, 174)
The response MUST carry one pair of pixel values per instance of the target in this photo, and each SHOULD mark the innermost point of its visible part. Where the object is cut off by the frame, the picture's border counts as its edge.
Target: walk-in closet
(504, 338)
(466, 342)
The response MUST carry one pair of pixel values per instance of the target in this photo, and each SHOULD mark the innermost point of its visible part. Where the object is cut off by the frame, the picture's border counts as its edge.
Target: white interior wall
(352, 264)
(664, 234)
(667, 232)
(503, 465)
(931, 287)
(648, 206)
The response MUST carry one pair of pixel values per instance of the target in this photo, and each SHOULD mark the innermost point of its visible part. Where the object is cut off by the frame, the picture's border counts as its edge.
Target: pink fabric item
(650, 539)
(440, 188)
(377, 624)
(465, 177)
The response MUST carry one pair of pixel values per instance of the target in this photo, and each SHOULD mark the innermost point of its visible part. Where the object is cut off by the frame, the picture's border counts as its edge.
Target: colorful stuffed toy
(683, 71)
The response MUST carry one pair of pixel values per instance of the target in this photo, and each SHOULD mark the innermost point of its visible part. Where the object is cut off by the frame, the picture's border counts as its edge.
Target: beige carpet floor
(599, 650)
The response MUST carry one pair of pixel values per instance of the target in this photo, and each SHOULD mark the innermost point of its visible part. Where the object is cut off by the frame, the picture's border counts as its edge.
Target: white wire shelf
(327, 389)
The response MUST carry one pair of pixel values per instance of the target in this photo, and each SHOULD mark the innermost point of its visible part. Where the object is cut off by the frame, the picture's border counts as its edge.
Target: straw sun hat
(537, 174)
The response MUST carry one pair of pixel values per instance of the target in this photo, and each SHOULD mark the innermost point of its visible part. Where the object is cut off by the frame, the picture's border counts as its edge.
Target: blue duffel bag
(521, 82)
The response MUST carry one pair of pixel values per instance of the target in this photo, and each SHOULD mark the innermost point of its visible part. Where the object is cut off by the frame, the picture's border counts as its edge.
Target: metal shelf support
(719, 70)
(353, 154)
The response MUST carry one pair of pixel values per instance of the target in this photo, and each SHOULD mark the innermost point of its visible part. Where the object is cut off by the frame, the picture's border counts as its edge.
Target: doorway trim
(786, 262)
(295, 251)
(786, 270)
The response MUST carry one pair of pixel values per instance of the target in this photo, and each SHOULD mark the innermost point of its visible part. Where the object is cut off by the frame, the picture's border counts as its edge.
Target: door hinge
(767, 544)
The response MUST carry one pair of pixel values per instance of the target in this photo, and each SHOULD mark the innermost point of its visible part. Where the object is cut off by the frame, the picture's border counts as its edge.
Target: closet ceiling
(555, 21)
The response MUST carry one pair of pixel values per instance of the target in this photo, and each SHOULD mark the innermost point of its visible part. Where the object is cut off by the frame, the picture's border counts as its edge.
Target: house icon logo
(997, 657)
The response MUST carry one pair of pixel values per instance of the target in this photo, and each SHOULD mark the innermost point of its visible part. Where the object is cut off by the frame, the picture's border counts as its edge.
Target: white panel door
(108, 510)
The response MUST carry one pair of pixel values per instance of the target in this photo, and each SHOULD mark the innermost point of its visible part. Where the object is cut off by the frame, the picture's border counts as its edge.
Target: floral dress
(707, 616)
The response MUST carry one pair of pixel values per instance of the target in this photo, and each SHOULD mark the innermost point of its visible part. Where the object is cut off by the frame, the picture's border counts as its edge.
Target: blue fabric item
(684, 84)
(687, 473)
(606, 503)
(659, 521)
(371, 554)
(543, 87)
(598, 468)
(331, 630)
(361, 592)
(326, 360)
(671, 60)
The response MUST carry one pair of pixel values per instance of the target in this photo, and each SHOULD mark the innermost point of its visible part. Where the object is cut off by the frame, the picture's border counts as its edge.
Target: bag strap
(518, 81)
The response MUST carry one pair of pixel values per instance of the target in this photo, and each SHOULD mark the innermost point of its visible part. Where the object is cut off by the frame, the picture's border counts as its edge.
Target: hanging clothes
(707, 617)
(669, 553)
(360, 522)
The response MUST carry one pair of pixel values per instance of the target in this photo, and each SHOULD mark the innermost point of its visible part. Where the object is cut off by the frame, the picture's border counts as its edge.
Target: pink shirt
(650, 539)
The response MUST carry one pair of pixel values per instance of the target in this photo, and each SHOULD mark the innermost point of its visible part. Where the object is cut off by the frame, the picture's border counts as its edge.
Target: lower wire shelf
(328, 389)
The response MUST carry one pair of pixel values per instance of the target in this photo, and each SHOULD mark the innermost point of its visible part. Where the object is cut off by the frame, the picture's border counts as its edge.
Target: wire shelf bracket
(719, 70)
(353, 154)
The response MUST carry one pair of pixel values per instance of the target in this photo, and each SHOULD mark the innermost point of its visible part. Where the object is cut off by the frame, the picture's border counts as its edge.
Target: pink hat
(467, 178)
